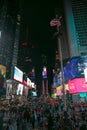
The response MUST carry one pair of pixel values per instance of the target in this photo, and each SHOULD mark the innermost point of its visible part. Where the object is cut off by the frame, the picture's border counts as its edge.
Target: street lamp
(56, 22)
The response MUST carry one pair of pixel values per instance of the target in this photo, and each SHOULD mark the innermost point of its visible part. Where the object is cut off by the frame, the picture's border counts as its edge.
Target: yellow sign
(59, 88)
(3, 70)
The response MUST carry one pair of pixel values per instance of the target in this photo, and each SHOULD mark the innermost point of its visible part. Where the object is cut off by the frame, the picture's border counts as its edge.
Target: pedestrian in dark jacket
(26, 115)
(50, 122)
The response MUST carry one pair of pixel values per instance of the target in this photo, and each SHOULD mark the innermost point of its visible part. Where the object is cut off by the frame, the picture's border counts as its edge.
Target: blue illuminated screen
(75, 68)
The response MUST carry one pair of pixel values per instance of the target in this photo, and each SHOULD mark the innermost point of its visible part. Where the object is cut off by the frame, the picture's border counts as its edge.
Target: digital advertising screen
(44, 73)
(77, 85)
(57, 79)
(70, 69)
(8, 90)
(33, 73)
(85, 74)
(20, 89)
(81, 66)
(75, 68)
(18, 74)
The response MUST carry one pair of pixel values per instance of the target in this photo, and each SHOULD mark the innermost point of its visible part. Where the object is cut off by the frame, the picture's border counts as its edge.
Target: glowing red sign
(24, 44)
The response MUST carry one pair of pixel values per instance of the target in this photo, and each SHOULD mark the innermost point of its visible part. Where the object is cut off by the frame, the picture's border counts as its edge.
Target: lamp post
(56, 22)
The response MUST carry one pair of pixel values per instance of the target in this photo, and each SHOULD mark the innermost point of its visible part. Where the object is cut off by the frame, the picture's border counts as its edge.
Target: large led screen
(44, 73)
(81, 66)
(8, 90)
(20, 89)
(18, 74)
(57, 79)
(70, 69)
(75, 68)
(77, 85)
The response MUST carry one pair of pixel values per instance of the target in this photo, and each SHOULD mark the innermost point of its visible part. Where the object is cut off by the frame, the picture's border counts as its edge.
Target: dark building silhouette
(8, 22)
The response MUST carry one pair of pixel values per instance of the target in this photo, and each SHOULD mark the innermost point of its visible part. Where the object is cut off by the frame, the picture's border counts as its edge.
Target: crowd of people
(42, 115)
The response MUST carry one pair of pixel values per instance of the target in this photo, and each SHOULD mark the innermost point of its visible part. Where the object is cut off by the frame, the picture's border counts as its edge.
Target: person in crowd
(26, 114)
(50, 122)
(32, 119)
(83, 115)
(10, 125)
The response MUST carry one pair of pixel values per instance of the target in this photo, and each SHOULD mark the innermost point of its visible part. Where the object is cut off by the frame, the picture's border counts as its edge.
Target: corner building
(8, 21)
(76, 26)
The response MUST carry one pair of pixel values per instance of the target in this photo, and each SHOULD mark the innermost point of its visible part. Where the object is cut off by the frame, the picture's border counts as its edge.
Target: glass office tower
(76, 26)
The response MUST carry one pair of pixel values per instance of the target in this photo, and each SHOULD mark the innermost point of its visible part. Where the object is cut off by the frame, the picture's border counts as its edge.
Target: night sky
(36, 30)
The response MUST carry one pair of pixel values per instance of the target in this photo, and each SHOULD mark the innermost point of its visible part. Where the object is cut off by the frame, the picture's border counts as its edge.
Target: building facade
(8, 21)
(76, 26)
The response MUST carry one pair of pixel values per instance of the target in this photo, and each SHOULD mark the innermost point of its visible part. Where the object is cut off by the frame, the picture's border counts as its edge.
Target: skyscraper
(8, 18)
(76, 26)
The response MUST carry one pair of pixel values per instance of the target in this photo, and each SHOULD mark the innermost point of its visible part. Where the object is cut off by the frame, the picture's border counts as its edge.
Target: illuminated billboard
(77, 85)
(18, 74)
(3, 70)
(75, 68)
(85, 74)
(44, 73)
(9, 89)
(20, 89)
(60, 88)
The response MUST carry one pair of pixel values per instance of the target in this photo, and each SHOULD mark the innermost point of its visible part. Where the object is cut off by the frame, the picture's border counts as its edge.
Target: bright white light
(0, 34)
(18, 74)
(85, 73)
(20, 89)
